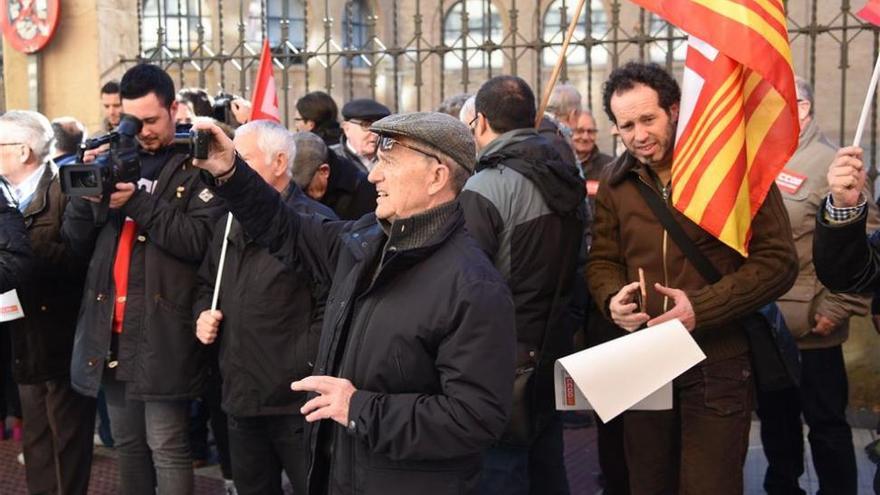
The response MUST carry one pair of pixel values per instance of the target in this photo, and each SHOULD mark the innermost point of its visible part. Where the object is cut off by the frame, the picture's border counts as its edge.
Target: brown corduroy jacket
(628, 236)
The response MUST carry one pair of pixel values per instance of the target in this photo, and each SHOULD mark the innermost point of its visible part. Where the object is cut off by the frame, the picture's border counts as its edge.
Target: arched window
(483, 25)
(179, 20)
(356, 30)
(658, 28)
(294, 11)
(556, 20)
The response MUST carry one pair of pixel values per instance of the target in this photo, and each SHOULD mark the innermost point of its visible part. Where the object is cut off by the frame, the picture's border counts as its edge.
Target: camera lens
(85, 178)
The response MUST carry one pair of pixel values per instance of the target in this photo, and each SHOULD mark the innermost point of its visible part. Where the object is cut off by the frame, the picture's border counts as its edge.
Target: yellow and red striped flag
(738, 124)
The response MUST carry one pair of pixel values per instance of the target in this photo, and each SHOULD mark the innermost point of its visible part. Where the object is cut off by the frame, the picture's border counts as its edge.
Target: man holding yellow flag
(699, 446)
(700, 215)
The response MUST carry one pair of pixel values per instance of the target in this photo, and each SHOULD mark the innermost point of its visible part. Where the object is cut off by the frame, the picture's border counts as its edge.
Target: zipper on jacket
(664, 193)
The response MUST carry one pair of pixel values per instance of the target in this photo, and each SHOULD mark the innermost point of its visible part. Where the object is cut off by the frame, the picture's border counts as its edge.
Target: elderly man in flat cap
(358, 143)
(414, 372)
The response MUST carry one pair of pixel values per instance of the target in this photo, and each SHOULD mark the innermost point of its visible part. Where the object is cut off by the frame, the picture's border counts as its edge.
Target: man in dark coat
(845, 259)
(136, 332)
(272, 317)
(56, 441)
(525, 207)
(15, 250)
(414, 369)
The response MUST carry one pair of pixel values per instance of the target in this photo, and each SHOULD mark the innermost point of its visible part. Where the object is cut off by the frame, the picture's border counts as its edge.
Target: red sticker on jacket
(790, 182)
(592, 188)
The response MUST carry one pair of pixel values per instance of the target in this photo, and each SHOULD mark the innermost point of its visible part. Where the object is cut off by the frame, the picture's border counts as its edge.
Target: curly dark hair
(652, 75)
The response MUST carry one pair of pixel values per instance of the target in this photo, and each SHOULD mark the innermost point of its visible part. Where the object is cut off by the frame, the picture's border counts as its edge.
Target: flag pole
(863, 118)
(221, 263)
(556, 70)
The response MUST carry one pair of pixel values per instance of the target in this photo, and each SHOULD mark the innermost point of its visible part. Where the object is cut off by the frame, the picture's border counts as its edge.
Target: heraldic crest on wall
(28, 25)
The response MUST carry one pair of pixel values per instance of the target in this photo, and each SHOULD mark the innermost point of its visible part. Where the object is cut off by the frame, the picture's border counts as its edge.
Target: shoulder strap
(685, 243)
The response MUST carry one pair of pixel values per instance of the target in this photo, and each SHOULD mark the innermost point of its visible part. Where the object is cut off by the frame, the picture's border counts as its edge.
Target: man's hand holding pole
(846, 177)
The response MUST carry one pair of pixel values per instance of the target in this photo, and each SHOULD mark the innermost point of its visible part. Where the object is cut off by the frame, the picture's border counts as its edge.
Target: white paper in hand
(632, 372)
(10, 306)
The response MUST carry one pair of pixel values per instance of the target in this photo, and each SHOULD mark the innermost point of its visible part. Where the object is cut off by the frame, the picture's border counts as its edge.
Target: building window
(658, 28)
(468, 45)
(179, 20)
(556, 20)
(356, 31)
(270, 19)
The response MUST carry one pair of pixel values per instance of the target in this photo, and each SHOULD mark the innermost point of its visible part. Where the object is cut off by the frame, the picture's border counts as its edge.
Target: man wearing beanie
(358, 143)
(414, 371)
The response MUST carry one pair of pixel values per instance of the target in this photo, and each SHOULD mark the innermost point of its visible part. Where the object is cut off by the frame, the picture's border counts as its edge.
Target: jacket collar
(417, 230)
(343, 174)
(505, 140)
(177, 161)
(41, 195)
(811, 134)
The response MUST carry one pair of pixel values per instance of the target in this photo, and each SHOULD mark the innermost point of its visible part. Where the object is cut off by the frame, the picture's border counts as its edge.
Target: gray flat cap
(439, 131)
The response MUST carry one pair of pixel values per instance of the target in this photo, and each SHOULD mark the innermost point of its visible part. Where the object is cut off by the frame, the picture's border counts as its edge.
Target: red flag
(871, 12)
(265, 99)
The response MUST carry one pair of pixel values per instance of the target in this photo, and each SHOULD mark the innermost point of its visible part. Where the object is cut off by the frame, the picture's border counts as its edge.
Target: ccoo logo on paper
(569, 391)
(8, 309)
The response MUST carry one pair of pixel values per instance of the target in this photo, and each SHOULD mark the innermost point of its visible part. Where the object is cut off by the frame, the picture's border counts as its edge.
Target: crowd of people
(376, 305)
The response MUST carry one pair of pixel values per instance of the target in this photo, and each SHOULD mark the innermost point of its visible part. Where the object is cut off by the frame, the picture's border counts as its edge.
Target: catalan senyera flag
(871, 12)
(738, 122)
(265, 98)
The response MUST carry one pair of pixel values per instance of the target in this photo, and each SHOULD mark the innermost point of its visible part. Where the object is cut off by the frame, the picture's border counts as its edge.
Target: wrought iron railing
(411, 54)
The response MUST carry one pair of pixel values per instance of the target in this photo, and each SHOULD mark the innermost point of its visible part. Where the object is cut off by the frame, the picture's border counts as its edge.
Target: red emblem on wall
(28, 25)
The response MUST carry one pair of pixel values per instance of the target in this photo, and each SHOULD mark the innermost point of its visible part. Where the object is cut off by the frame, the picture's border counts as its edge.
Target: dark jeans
(822, 400)
(612, 457)
(57, 443)
(700, 446)
(10, 405)
(261, 446)
(152, 443)
(104, 420)
(535, 470)
(208, 410)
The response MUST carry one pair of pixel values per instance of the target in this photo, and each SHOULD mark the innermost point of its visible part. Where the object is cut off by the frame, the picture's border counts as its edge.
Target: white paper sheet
(631, 372)
(10, 307)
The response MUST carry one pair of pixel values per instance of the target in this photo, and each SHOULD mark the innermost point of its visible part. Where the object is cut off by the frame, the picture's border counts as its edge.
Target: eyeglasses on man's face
(387, 143)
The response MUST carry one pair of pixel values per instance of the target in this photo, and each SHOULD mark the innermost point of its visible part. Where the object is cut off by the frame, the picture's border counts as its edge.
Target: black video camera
(120, 164)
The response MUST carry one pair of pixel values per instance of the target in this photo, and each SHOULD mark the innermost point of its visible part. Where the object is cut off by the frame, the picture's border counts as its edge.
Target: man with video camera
(135, 332)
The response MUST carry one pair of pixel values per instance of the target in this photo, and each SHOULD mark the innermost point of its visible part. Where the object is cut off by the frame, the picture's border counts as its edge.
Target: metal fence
(411, 54)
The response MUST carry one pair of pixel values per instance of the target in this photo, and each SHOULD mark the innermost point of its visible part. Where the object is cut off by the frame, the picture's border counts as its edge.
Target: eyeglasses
(386, 143)
(363, 124)
(11, 144)
(472, 122)
(581, 130)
